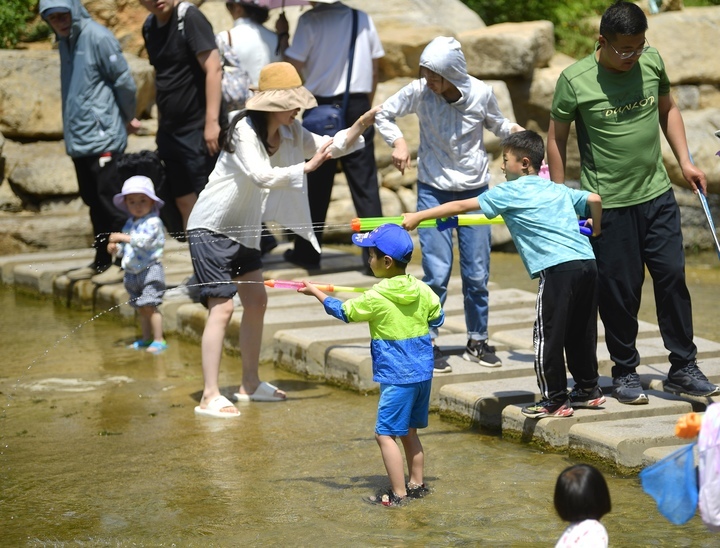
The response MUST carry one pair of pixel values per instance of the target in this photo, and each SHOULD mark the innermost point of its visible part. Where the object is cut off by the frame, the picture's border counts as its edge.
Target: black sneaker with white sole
(690, 380)
(629, 390)
(482, 353)
(440, 363)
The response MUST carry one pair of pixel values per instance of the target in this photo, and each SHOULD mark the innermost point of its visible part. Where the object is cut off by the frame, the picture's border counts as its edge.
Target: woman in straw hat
(259, 176)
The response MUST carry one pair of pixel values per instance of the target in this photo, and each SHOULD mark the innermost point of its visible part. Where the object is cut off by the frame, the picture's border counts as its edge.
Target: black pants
(645, 235)
(566, 327)
(98, 181)
(361, 173)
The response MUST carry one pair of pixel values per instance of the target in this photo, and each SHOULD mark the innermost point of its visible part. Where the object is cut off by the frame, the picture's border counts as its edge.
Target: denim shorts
(403, 406)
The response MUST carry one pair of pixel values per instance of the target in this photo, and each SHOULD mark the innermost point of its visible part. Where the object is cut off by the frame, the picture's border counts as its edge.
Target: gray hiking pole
(706, 208)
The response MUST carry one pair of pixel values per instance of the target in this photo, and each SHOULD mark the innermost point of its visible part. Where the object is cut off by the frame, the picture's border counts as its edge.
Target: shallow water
(100, 446)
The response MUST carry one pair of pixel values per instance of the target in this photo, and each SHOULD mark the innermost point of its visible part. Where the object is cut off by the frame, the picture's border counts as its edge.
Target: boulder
(35, 181)
(508, 50)
(700, 127)
(38, 114)
(684, 39)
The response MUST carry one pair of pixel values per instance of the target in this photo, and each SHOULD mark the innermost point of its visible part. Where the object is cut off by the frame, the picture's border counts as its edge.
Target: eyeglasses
(629, 54)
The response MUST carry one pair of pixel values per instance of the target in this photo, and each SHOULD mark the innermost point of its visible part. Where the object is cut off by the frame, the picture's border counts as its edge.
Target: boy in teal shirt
(542, 219)
(400, 310)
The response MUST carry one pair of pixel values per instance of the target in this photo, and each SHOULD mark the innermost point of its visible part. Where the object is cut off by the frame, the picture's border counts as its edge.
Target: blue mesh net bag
(672, 482)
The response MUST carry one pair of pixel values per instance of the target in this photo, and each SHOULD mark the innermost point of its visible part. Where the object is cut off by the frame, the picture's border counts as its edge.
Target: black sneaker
(548, 408)
(585, 398)
(690, 380)
(629, 390)
(482, 353)
(386, 498)
(416, 491)
(440, 364)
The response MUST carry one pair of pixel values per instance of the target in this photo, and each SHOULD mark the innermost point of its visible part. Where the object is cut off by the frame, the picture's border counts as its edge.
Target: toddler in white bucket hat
(140, 244)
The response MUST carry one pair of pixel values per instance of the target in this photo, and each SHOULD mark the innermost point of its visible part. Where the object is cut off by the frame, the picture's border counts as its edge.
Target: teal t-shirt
(618, 127)
(542, 218)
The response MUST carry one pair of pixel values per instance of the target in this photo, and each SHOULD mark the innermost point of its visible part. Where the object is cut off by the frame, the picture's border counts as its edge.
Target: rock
(532, 98)
(508, 50)
(34, 115)
(700, 127)
(687, 60)
(35, 180)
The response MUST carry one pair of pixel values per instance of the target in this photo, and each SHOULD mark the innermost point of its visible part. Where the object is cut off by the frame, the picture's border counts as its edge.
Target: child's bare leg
(414, 455)
(156, 324)
(254, 301)
(145, 313)
(392, 458)
(151, 323)
(219, 313)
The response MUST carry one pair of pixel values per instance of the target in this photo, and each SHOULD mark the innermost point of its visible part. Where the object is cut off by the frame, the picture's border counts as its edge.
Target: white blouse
(248, 186)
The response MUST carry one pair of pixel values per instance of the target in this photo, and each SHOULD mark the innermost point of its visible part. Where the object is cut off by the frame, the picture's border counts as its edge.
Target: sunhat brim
(119, 198)
(279, 100)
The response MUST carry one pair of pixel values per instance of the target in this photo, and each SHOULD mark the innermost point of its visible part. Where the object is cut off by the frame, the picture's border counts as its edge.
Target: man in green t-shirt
(619, 98)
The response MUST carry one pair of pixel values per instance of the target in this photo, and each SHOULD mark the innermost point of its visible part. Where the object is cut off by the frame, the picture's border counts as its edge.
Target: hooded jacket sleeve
(115, 70)
(401, 104)
(495, 121)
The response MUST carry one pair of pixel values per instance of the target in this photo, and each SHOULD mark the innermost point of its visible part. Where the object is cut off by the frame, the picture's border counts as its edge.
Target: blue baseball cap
(392, 240)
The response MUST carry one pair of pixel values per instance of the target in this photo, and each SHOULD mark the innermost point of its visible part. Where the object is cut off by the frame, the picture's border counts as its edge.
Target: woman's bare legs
(254, 301)
(220, 311)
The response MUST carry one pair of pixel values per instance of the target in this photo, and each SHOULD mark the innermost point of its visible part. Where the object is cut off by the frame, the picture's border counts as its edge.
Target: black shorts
(217, 260)
(187, 162)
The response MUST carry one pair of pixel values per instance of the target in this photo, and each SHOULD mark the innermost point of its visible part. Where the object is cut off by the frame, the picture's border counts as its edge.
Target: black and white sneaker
(690, 380)
(586, 398)
(440, 364)
(482, 353)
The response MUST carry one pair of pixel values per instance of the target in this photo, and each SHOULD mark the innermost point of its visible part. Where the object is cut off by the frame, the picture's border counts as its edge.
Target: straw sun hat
(280, 88)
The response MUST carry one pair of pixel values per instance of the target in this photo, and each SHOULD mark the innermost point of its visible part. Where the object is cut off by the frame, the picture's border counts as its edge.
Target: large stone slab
(555, 432)
(305, 350)
(623, 442)
(39, 277)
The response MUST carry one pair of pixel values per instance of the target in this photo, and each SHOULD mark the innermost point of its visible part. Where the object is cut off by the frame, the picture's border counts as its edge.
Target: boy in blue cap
(400, 310)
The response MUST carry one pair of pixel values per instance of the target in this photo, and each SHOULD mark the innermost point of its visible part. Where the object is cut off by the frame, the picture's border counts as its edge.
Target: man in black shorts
(188, 74)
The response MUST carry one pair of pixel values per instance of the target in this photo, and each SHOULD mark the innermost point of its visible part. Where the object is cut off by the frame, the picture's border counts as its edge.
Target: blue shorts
(403, 406)
(146, 288)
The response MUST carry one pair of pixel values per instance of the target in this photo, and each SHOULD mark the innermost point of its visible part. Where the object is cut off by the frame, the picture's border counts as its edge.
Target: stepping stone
(624, 442)
(555, 432)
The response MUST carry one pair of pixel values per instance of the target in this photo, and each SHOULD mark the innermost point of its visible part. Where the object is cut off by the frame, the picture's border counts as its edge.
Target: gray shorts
(146, 288)
(217, 260)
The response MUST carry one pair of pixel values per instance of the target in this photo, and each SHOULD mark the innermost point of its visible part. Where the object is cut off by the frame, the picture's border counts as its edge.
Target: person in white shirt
(253, 46)
(260, 175)
(582, 498)
(319, 51)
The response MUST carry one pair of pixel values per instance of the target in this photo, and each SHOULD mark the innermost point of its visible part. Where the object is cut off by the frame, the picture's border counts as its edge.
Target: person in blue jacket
(98, 109)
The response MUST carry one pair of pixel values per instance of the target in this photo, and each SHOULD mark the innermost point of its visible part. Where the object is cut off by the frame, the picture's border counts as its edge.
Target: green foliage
(14, 16)
(576, 21)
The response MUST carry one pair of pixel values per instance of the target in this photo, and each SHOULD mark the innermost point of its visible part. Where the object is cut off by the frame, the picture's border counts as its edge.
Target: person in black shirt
(181, 46)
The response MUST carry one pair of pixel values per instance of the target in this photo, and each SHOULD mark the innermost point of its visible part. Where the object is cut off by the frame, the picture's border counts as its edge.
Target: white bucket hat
(139, 184)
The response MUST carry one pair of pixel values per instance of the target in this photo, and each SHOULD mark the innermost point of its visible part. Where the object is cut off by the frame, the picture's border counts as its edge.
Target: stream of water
(100, 446)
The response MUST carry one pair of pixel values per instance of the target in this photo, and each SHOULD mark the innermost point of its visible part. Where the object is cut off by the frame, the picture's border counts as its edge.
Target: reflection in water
(126, 460)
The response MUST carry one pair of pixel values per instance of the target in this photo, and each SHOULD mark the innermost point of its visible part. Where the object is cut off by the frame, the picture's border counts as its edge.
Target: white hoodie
(451, 155)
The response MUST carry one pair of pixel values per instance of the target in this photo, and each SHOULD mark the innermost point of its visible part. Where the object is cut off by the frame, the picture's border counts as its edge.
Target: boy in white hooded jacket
(453, 108)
